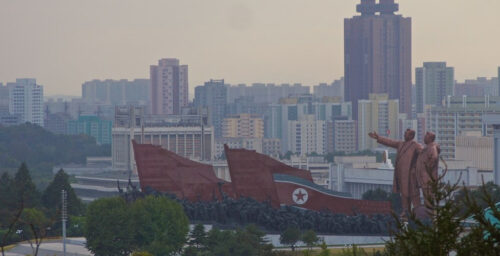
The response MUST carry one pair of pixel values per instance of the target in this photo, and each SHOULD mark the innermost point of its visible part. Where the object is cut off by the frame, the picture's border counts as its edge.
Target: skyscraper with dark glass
(377, 54)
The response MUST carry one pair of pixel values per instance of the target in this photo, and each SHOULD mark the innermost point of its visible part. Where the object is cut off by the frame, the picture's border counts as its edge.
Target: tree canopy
(41, 150)
(156, 225)
(51, 197)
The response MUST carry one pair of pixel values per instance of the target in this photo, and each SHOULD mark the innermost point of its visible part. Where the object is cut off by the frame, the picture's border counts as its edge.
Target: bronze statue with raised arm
(404, 171)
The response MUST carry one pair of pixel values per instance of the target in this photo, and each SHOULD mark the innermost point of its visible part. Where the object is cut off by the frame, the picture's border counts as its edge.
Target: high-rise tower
(377, 54)
(169, 87)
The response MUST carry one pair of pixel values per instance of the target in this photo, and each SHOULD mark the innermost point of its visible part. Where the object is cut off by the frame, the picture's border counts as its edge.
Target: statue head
(429, 137)
(409, 134)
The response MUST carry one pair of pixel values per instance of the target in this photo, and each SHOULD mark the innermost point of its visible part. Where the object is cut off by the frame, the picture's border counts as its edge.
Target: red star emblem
(300, 196)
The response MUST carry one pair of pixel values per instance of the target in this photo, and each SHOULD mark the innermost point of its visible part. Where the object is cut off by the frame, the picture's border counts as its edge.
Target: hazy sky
(63, 43)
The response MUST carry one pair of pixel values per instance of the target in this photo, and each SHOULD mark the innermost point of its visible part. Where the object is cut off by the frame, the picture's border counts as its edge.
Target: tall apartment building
(213, 96)
(243, 126)
(335, 89)
(379, 114)
(341, 136)
(4, 100)
(26, 100)
(434, 81)
(169, 87)
(185, 135)
(92, 126)
(307, 135)
(377, 54)
(277, 119)
(459, 115)
(117, 92)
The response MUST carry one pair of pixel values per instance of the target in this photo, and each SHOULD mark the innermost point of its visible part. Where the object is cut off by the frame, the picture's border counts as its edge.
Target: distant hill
(41, 150)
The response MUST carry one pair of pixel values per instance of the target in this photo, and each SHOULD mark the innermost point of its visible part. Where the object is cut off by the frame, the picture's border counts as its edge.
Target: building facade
(478, 87)
(92, 126)
(117, 92)
(378, 114)
(341, 136)
(244, 126)
(459, 115)
(475, 148)
(377, 54)
(434, 81)
(213, 96)
(26, 100)
(335, 89)
(185, 135)
(265, 93)
(276, 122)
(307, 136)
(169, 87)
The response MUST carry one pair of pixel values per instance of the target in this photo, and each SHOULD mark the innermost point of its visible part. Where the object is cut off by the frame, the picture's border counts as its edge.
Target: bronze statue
(404, 171)
(427, 165)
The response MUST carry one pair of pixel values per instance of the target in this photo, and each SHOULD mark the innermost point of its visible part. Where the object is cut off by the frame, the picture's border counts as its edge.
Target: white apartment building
(307, 135)
(26, 100)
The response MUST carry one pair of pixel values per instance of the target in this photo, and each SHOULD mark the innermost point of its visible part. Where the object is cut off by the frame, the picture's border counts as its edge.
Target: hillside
(41, 150)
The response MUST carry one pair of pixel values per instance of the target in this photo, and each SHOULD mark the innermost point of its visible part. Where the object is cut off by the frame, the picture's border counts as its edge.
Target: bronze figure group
(416, 166)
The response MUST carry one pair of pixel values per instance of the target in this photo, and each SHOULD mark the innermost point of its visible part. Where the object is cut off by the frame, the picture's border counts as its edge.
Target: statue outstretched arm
(389, 142)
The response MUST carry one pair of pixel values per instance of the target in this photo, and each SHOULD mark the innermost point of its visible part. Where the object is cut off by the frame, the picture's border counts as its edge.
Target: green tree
(10, 211)
(35, 226)
(160, 224)
(290, 237)
(376, 195)
(51, 197)
(483, 237)
(324, 249)
(310, 239)
(109, 230)
(198, 236)
(25, 188)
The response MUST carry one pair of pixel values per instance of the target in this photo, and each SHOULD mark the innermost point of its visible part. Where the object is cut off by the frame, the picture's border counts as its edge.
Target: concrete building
(213, 96)
(494, 121)
(117, 92)
(434, 81)
(307, 135)
(265, 93)
(243, 126)
(458, 115)
(476, 149)
(246, 143)
(379, 114)
(276, 122)
(185, 135)
(271, 147)
(478, 87)
(405, 123)
(92, 126)
(4, 100)
(246, 105)
(341, 136)
(335, 89)
(169, 87)
(26, 100)
(377, 54)
(57, 123)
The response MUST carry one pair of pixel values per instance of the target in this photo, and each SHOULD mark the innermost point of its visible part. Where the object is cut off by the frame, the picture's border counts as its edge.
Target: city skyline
(63, 44)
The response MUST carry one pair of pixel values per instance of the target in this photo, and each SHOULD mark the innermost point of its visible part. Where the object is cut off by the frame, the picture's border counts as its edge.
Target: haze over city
(65, 43)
